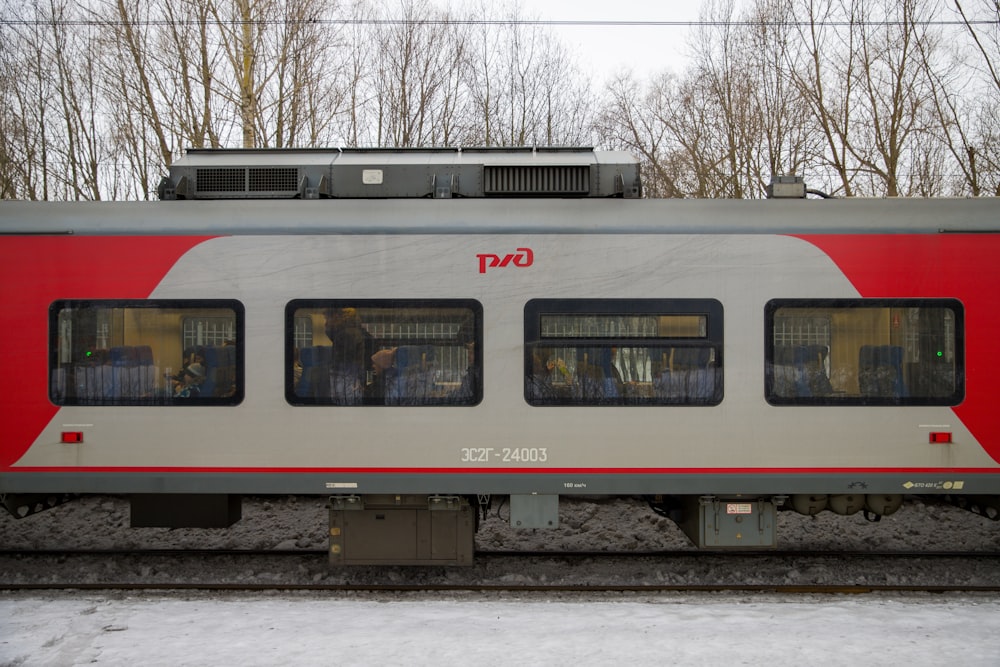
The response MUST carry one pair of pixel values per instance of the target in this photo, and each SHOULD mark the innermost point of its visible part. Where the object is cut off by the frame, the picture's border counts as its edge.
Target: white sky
(602, 50)
(606, 49)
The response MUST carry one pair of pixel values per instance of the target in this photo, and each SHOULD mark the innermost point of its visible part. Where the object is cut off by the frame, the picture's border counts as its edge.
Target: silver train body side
(741, 253)
(504, 254)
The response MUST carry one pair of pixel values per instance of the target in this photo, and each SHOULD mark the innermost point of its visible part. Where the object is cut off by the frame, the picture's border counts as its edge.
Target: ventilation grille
(360, 173)
(274, 179)
(537, 180)
(239, 180)
(221, 180)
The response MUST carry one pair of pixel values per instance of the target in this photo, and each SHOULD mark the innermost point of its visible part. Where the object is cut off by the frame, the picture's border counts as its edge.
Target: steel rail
(796, 589)
(527, 553)
(64, 570)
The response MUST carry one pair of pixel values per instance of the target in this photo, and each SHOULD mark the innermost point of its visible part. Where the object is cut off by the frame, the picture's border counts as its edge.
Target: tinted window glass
(864, 352)
(623, 352)
(383, 352)
(146, 352)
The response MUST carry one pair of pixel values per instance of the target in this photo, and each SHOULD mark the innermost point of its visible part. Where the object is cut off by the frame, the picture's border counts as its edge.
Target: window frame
(955, 398)
(714, 338)
(239, 329)
(293, 306)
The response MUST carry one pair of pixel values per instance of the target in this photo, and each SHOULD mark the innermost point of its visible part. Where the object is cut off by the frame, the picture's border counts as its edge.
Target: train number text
(504, 454)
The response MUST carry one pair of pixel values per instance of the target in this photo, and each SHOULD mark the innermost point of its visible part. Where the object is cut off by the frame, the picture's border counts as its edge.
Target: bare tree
(787, 137)
(191, 60)
(25, 92)
(141, 138)
(524, 88)
(97, 98)
(951, 126)
(725, 126)
(867, 89)
(302, 96)
(240, 26)
(985, 35)
(127, 22)
(894, 91)
(724, 90)
(826, 85)
(632, 120)
(969, 119)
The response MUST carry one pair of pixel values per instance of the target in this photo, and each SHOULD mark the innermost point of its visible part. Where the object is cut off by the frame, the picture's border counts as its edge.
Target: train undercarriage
(439, 530)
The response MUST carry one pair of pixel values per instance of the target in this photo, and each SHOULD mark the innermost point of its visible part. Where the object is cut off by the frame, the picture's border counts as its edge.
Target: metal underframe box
(401, 530)
(185, 510)
(534, 511)
(740, 523)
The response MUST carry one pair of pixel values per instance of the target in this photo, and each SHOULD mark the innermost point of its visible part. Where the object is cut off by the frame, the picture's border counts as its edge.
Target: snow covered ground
(290, 522)
(66, 628)
(534, 630)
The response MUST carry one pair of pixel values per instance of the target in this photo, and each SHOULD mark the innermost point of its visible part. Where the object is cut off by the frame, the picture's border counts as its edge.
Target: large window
(383, 352)
(146, 352)
(623, 352)
(864, 352)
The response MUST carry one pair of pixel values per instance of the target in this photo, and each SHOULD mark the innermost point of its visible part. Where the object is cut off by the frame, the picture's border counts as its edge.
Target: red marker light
(939, 438)
(72, 437)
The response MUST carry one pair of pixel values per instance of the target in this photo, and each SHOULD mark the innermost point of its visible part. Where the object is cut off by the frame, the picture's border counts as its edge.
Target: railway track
(792, 572)
(525, 553)
(793, 589)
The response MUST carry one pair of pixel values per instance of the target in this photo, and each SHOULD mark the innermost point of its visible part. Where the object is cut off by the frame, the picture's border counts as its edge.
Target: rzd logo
(523, 257)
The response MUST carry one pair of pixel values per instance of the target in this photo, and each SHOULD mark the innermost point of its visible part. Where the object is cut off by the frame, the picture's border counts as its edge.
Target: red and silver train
(415, 333)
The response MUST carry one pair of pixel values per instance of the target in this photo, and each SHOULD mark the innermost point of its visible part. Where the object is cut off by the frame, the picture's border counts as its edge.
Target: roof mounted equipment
(786, 187)
(439, 173)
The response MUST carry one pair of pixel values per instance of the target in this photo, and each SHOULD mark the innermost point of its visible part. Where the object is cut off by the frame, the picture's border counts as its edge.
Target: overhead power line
(532, 23)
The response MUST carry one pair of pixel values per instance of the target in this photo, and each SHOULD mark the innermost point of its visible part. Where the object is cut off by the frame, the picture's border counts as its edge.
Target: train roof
(503, 216)
(465, 190)
(405, 173)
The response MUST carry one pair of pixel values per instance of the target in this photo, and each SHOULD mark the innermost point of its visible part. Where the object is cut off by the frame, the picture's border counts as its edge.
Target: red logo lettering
(523, 257)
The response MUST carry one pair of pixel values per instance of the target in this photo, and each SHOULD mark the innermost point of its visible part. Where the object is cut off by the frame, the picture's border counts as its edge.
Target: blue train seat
(800, 371)
(598, 379)
(213, 364)
(880, 371)
(810, 368)
(783, 369)
(689, 377)
(93, 377)
(315, 379)
(411, 380)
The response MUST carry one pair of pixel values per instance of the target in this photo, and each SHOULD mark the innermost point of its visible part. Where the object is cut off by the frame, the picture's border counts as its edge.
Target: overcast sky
(603, 50)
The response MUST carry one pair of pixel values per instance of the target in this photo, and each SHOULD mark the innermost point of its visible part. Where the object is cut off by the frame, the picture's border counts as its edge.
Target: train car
(417, 334)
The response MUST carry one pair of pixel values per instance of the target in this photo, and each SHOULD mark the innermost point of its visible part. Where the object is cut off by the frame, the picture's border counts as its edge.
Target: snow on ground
(289, 522)
(533, 630)
(66, 628)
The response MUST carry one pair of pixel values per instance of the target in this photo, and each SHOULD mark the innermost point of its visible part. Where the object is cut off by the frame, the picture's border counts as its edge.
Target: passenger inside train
(863, 352)
(623, 352)
(385, 352)
(126, 352)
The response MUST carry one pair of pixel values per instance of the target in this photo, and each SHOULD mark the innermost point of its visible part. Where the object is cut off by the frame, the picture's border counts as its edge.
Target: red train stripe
(962, 266)
(508, 471)
(37, 270)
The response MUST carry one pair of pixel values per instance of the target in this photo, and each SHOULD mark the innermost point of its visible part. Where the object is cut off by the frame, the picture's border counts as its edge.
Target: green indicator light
(940, 353)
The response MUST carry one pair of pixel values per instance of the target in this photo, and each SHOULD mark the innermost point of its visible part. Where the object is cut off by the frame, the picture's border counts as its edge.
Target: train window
(384, 352)
(152, 352)
(864, 352)
(623, 352)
